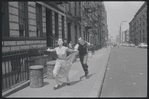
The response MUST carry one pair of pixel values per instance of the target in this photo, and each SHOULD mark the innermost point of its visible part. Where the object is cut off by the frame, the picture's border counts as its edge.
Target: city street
(79, 85)
(36, 33)
(126, 74)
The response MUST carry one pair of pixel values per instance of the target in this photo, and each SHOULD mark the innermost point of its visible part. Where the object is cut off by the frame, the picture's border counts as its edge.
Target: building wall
(138, 26)
(73, 12)
(14, 29)
(28, 42)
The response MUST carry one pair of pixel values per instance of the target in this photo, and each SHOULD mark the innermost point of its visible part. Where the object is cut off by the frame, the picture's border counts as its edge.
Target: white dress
(63, 63)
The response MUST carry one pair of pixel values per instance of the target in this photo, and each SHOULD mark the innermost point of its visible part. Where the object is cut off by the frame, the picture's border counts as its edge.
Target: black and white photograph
(74, 49)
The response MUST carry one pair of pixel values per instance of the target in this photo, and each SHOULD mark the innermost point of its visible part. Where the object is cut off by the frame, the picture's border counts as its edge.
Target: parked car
(132, 45)
(142, 45)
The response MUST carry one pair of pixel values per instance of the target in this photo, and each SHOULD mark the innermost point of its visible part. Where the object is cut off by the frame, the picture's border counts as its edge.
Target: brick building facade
(138, 26)
(31, 24)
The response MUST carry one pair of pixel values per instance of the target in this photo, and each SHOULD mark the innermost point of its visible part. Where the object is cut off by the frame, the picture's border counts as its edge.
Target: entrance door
(49, 33)
(69, 32)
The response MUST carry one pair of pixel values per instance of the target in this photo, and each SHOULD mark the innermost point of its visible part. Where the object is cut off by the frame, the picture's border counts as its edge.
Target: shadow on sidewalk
(90, 75)
(45, 83)
(75, 82)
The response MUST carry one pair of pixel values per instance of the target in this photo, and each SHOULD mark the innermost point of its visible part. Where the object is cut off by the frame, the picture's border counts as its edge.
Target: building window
(56, 26)
(5, 21)
(22, 19)
(75, 8)
(80, 8)
(39, 20)
(68, 7)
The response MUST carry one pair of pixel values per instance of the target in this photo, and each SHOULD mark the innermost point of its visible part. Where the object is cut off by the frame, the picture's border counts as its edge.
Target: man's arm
(88, 44)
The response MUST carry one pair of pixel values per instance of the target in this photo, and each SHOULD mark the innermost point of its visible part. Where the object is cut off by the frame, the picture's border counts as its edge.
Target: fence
(15, 66)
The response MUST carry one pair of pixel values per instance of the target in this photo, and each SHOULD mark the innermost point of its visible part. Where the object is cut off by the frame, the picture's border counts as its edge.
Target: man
(82, 47)
(65, 43)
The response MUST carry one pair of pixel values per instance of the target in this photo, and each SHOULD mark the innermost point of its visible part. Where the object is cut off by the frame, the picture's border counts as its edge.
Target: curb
(96, 90)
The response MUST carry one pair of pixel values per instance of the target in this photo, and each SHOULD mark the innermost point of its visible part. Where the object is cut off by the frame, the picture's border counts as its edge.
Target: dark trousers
(83, 60)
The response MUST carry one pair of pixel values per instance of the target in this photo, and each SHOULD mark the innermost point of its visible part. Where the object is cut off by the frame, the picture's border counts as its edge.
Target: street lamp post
(120, 31)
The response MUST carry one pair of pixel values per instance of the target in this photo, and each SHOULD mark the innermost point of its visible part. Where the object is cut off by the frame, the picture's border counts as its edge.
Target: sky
(118, 11)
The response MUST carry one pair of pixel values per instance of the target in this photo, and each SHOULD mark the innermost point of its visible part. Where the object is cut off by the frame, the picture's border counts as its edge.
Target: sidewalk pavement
(79, 85)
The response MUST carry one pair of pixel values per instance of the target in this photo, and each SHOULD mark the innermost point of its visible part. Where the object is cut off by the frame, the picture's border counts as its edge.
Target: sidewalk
(79, 85)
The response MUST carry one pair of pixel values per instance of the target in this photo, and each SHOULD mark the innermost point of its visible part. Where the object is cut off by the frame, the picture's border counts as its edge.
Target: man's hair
(80, 37)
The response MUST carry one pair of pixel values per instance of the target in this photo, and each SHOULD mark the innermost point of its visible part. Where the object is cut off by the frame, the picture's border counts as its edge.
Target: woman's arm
(51, 50)
(71, 50)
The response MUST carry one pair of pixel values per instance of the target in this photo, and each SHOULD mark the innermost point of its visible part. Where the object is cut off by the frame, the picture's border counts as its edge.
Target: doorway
(49, 33)
(69, 31)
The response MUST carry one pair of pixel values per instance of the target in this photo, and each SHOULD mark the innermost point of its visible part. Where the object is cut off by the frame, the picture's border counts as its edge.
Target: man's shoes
(86, 73)
(68, 84)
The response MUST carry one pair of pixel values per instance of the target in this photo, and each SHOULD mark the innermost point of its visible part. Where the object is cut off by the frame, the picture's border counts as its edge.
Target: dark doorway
(56, 26)
(76, 34)
(49, 33)
(63, 33)
(69, 32)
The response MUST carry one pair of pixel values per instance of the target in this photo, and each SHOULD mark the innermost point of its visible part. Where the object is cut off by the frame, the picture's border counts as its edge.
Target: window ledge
(22, 38)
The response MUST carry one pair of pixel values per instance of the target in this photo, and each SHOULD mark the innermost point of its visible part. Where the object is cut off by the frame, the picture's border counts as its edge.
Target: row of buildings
(138, 26)
(36, 24)
(137, 32)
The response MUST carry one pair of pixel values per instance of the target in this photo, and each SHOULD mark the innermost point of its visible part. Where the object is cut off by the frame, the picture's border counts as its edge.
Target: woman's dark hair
(61, 38)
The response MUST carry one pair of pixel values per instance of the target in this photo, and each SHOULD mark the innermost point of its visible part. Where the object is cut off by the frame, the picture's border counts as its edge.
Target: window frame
(5, 24)
(8, 38)
(39, 20)
(26, 34)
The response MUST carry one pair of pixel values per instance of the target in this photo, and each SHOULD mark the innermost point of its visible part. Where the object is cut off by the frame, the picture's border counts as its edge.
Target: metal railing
(15, 65)
(14, 68)
(54, 45)
(54, 41)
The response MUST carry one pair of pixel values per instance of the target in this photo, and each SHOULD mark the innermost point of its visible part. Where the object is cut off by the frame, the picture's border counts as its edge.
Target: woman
(82, 47)
(61, 67)
(70, 45)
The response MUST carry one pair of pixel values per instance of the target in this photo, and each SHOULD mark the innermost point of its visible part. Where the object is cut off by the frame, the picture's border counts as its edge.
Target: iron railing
(15, 65)
(14, 68)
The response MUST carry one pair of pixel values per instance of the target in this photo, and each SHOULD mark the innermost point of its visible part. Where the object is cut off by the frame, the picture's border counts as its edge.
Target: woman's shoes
(68, 83)
(56, 87)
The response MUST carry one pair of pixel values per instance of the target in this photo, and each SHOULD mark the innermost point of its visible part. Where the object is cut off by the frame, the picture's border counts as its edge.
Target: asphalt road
(126, 73)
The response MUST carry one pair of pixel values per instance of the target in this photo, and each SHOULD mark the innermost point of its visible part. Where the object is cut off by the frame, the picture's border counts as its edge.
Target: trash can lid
(50, 62)
(36, 67)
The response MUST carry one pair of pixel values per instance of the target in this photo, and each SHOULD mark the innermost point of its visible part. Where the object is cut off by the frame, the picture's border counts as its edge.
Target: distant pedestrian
(65, 43)
(70, 45)
(82, 47)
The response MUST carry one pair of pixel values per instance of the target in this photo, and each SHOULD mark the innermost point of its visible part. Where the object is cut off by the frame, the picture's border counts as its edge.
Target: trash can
(36, 76)
(90, 53)
(50, 67)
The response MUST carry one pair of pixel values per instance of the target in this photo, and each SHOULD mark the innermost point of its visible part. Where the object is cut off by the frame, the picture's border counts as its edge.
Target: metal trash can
(36, 76)
(50, 67)
(90, 53)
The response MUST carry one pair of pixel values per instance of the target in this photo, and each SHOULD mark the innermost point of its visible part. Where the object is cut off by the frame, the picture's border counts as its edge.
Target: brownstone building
(138, 26)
